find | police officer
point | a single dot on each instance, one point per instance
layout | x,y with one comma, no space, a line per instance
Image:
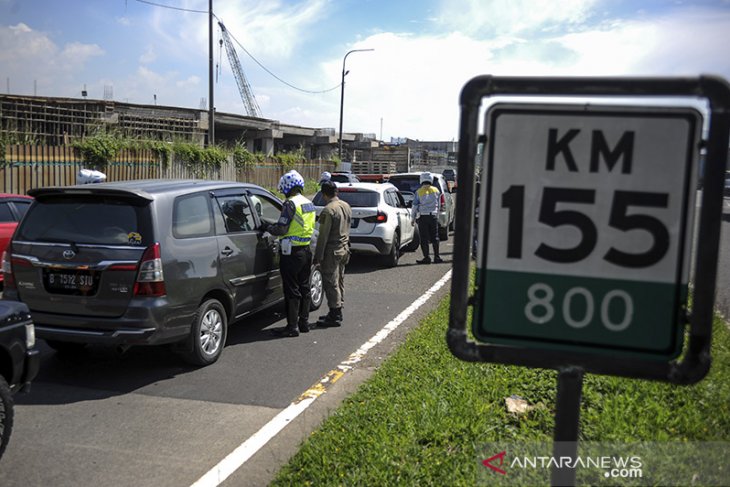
294,229
333,251
426,205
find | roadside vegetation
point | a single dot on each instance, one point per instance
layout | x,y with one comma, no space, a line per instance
424,417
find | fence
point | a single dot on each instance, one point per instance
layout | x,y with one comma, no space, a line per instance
35,166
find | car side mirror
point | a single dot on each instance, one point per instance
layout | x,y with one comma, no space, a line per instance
409,204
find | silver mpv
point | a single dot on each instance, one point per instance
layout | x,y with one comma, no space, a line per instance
147,262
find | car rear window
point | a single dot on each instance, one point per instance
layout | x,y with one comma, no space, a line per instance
85,220
406,184
355,198
342,178
412,183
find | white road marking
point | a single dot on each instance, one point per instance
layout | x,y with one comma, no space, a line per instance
248,448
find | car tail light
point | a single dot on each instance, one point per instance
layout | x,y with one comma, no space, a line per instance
380,217
8,278
150,279
7,268
442,202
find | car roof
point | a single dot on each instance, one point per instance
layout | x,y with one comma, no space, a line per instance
141,188
413,174
378,187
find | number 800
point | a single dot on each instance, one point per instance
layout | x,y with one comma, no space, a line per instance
539,308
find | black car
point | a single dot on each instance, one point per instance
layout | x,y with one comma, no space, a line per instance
19,361
147,263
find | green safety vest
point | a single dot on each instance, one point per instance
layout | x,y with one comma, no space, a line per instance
301,227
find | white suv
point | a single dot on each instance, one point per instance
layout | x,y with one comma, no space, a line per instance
381,222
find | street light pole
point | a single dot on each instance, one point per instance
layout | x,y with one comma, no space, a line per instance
211,105
342,96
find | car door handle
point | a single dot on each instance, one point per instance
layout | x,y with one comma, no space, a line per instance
227,251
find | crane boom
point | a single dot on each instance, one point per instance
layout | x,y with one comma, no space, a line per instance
249,101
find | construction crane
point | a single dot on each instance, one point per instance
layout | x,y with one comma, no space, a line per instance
249,101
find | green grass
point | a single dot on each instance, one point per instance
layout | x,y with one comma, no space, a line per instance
424,416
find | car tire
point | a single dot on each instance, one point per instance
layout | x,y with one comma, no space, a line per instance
415,243
6,414
391,259
207,335
317,288
443,234
66,348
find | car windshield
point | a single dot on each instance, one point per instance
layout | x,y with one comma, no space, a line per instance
341,178
355,198
85,220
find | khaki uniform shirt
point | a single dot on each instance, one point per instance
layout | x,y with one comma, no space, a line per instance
334,228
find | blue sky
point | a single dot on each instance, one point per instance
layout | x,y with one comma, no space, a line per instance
425,51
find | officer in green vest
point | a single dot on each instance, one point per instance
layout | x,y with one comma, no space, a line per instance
294,229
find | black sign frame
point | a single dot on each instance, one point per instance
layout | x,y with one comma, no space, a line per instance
694,363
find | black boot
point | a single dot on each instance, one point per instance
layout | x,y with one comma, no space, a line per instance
292,316
332,318
303,322
436,257
426,258
338,317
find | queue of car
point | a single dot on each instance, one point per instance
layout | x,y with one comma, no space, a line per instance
159,262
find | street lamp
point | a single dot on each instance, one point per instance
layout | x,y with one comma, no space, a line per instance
342,95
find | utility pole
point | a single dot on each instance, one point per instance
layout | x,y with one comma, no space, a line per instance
211,105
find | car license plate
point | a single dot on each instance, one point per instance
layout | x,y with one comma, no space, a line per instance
71,282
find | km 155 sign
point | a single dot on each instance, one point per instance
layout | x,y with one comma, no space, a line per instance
586,230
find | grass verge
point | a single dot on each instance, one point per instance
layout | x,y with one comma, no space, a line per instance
424,415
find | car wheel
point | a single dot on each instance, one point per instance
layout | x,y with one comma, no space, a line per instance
66,348
391,260
208,334
317,287
6,414
415,243
443,234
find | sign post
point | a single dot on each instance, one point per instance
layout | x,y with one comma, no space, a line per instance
584,246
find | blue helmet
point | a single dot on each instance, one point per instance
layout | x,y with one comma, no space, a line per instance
289,181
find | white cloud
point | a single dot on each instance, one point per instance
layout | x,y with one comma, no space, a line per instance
271,29
191,81
28,56
505,17
413,82
124,21
148,56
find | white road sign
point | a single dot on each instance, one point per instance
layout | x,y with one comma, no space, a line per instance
585,240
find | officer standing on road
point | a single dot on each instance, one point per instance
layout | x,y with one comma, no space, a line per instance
426,206
333,251
294,229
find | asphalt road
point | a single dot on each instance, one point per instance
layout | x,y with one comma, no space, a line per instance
144,418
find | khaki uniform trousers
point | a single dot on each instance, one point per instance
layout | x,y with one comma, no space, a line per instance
333,276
